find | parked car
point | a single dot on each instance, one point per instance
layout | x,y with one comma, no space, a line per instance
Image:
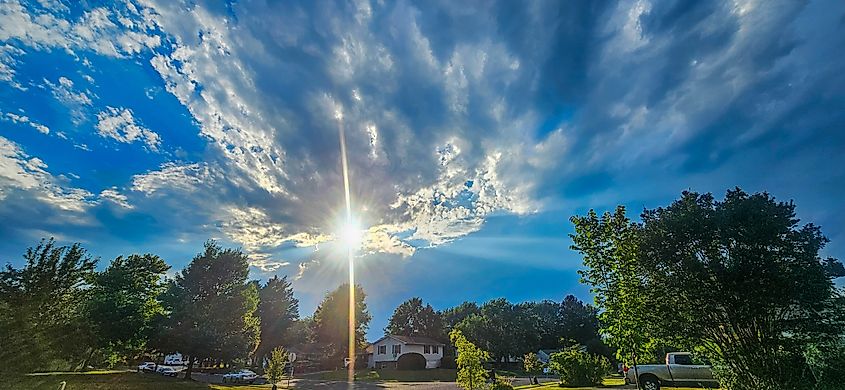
168,371
147,367
681,369
242,375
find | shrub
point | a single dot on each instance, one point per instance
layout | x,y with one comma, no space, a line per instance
577,367
501,384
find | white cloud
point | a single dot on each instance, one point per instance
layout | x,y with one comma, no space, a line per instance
112,195
173,176
21,172
119,124
10,116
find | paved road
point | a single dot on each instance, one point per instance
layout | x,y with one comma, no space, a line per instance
337,385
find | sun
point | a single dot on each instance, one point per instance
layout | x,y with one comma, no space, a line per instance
351,235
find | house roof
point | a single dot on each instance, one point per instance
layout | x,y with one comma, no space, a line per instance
413,340
549,351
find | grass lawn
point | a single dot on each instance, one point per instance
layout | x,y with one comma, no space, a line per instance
432,375
607,383
111,380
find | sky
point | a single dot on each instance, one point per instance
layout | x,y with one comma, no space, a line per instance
475,130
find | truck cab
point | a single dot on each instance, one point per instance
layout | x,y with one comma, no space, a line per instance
680,369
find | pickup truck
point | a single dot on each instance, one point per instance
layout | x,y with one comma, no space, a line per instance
679,370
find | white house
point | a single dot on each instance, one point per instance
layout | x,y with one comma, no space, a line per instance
405,352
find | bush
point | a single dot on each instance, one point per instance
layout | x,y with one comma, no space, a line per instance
501,384
577,367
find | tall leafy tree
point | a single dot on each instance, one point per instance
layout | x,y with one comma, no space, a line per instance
43,320
278,310
331,322
212,308
453,316
496,329
411,318
124,300
610,246
470,361
746,280
739,279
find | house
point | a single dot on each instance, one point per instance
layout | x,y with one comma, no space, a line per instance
545,354
405,352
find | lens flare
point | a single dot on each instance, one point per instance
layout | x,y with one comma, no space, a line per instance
349,232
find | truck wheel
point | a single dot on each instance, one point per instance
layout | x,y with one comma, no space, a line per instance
650,382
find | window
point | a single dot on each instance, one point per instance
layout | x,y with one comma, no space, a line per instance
683,360
435,349
397,349
382,350
427,349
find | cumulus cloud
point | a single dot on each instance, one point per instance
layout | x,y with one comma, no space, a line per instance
119,124
10,116
113,196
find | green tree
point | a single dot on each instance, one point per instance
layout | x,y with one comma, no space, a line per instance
471,372
276,365
43,317
531,363
610,246
331,323
738,279
411,318
747,283
278,310
124,300
212,308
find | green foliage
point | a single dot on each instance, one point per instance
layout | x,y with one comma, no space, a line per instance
123,304
212,307
331,323
507,329
43,317
739,279
531,363
501,384
411,318
278,310
610,248
471,372
276,365
577,367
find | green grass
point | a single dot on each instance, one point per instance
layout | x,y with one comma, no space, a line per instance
607,383
432,375
111,380
97,381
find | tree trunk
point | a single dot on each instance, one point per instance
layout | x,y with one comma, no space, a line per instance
190,368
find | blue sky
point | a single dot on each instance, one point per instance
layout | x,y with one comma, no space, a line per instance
475,130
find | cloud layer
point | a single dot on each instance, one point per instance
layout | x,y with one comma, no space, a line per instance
453,112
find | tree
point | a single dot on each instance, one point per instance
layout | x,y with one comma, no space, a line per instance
276,365
331,322
531,363
747,282
471,372
411,318
738,279
610,249
278,310
124,302
43,321
212,308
